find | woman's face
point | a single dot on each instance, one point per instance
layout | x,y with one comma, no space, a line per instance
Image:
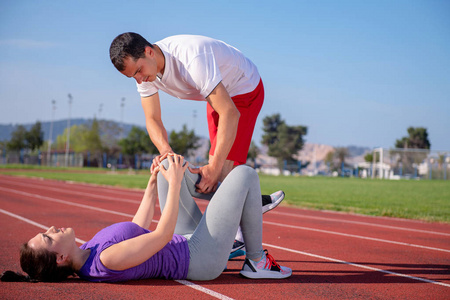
59,240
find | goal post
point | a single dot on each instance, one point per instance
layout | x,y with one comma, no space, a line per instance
408,163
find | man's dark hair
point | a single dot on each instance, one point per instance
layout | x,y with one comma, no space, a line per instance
128,44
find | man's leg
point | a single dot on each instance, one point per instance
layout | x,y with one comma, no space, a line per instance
249,106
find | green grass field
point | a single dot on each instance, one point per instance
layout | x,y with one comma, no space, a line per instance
427,200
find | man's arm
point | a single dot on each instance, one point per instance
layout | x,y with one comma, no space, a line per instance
229,115
155,127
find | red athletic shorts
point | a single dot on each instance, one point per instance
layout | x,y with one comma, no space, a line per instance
249,105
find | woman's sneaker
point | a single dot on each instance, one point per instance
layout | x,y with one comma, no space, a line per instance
269,202
267,267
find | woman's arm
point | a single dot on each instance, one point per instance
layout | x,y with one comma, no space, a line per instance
133,252
144,214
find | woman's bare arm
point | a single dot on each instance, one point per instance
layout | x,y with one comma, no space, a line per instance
133,252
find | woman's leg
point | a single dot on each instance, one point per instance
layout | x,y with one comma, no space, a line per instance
237,201
189,215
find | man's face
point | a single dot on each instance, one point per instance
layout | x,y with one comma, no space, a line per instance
143,69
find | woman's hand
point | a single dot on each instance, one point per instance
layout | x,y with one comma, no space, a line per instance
155,168
177,166
157,161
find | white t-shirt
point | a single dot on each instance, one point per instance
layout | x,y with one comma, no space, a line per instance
195,65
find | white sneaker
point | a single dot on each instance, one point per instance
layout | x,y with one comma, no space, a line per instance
267,268
272,201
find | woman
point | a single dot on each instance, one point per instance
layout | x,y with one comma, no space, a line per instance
128,251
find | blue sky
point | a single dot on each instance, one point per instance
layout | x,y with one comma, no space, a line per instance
353,72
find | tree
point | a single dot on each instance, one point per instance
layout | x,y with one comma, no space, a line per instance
183,141
417,139
137,142
34,137
82,138
91,137
18,139
341,154
109,133
329,158
253,152
23,139
284,141
335,158
369,157
76,138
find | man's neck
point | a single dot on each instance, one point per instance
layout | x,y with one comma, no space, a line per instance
160,59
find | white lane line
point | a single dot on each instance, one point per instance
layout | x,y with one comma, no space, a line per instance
359,223
32,222
220,296
272,212
203,289
358,265
265,222
71,192
301,252
184,282
68,203
356,236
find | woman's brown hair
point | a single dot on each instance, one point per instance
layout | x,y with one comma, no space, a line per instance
40,265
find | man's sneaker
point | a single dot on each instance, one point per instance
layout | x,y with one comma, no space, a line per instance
237,253
267,267
237,245
269,202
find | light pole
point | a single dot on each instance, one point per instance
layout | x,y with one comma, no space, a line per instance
100,108
194,117
68,133
49,149
122,104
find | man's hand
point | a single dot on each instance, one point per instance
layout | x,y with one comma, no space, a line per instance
209,181
157,161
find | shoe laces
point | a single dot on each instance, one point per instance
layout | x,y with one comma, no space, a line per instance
270,261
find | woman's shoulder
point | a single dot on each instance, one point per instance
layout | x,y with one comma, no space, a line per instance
115,233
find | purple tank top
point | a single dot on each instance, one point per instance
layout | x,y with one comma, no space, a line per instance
171,262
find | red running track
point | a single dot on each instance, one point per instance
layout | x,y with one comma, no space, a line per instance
333,255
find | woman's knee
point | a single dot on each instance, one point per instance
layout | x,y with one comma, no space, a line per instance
245,173
165,163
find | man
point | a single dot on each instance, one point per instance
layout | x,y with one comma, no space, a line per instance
202,69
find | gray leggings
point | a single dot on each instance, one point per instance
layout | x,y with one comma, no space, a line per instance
210,236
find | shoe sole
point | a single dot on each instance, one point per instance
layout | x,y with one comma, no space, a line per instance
264,275
236,254
271,206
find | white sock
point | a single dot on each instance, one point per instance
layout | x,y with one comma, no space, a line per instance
239,236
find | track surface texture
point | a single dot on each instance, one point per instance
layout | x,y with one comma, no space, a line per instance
333,255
